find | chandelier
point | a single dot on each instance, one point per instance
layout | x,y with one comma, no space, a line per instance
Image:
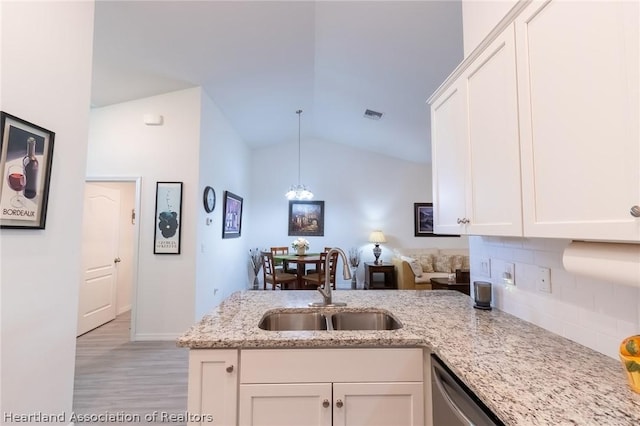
299,191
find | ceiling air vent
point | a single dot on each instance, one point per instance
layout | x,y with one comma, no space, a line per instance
374,115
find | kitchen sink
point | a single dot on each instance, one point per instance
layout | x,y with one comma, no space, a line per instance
330,321
287,321
364,321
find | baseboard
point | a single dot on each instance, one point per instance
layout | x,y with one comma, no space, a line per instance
146,337
123,310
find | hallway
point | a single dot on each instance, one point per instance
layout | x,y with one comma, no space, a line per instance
122,382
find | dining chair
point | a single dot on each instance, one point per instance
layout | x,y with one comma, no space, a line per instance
315,270
317,278
281,264
272,276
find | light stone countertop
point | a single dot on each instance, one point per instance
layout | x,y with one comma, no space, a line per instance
524,374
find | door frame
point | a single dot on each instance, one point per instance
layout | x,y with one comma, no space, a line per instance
136,240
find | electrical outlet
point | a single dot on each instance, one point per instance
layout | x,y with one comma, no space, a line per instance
509,274
485,267
544,280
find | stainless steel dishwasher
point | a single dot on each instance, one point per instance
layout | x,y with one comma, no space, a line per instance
453,403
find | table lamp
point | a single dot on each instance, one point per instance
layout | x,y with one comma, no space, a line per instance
377,237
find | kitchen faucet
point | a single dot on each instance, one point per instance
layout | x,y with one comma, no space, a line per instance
326,291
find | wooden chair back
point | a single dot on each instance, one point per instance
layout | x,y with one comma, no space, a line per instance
273,276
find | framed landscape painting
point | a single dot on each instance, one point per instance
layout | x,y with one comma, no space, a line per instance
423,221
306,218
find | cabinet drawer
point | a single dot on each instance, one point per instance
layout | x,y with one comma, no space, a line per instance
330,365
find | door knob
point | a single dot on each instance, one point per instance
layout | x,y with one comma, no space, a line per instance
117,260
230,369
635,211
339,403
325,403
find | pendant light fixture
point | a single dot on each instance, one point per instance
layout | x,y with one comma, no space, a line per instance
299,191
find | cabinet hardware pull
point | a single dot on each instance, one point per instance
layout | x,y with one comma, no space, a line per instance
459,221
230,369
339,403
635,211
325,403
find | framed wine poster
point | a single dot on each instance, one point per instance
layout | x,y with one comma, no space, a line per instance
26,152
168,218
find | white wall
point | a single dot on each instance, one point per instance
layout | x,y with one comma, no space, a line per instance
45,59
596,314
224,165
120,144
478,19
362,191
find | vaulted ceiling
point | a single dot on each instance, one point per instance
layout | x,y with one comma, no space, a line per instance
260,61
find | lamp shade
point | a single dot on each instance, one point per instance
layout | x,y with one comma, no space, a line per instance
377,237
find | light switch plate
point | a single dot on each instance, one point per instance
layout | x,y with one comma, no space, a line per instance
485,267
544,280
509,274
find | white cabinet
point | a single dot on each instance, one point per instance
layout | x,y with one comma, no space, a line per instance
339,387
212,389
286,404
475,146
449,150
578,89
536,134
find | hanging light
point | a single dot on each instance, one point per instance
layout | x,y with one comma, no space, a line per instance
299,191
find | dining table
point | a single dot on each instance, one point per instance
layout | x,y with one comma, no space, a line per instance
301,261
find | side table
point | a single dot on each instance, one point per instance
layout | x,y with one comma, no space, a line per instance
444,284
380,276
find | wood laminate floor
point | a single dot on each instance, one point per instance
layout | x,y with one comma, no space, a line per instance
127,382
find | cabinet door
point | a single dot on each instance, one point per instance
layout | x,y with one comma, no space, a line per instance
578,97
212,389
494,144
285,404
380,404
449,157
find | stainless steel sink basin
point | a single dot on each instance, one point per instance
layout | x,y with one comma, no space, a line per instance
364,321
286,321
328,320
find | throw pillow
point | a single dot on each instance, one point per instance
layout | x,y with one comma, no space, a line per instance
426,262
415,266
442,263
457,262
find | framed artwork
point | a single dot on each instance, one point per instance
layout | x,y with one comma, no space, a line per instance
168,218
26,152
306,218
232,215
423,221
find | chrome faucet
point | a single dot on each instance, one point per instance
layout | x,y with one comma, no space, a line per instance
326,291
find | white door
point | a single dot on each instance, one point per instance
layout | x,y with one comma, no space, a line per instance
97,299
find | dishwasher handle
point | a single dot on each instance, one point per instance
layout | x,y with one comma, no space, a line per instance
446,385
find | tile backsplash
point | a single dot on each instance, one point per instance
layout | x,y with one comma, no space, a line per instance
594,313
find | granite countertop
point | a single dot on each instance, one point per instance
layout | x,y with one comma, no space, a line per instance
524,374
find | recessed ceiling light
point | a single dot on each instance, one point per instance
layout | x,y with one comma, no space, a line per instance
374,115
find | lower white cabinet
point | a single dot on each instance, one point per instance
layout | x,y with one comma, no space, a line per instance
337,404
336,387
213,387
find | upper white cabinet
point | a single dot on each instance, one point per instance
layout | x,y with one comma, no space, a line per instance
475,147
449,155
578,88
536,134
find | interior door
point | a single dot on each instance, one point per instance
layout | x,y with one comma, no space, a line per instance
100,229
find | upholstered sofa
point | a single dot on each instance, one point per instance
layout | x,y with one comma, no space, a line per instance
416,267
